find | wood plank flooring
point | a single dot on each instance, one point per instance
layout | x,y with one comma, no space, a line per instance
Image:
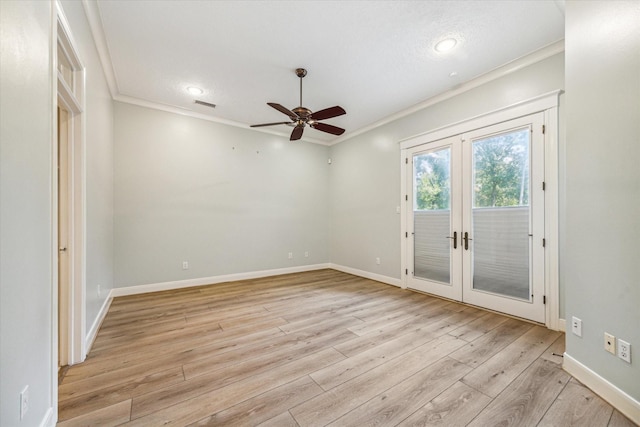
322,348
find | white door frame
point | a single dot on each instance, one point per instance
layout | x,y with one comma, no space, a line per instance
453,289
546,103
70,96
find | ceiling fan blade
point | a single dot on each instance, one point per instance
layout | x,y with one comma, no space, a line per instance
297,133
327,128
328,113
269,124
283,110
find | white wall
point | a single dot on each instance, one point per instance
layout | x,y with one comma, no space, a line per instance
365,174
26,245
225,199
603,185
99,165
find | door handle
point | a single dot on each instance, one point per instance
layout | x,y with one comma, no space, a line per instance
466,241
455,239
62,249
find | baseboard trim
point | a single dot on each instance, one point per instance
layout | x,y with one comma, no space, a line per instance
367,275
562,325
49,420
620,400
95,327
179,284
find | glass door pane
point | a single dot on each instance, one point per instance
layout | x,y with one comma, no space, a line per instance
432,215
501,214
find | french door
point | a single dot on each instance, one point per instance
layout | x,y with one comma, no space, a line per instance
476,223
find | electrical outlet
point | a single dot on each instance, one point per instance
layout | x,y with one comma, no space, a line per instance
99,291
610,343
290,255
624,350
378,261
24,402
185,265
576,326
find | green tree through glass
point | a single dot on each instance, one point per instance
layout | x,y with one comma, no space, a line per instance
432,181
501,170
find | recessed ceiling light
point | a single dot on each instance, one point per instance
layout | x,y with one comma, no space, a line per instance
445,45
195,90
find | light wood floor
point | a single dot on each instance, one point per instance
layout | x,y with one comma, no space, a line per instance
321,348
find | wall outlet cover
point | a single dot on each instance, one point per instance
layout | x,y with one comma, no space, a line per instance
576,326
624,350
609,343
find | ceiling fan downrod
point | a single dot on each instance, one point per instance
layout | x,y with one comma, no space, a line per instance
301,72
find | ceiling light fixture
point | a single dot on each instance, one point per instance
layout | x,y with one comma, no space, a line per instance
195,90
445,45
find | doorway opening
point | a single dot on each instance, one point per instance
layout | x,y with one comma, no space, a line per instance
71,347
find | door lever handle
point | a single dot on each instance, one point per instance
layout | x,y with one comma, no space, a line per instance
455,239
466,240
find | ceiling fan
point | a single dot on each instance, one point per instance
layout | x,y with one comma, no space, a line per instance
301,116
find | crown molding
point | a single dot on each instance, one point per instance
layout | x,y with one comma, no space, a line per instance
95,24
506,69
186,112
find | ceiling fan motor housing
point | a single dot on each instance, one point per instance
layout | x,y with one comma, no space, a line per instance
302,112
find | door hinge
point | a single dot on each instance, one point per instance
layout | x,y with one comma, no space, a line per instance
544,299
406,160
406,197
544,243
406,234
544,185
543,129
406,271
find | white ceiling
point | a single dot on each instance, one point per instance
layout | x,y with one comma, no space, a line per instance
373,58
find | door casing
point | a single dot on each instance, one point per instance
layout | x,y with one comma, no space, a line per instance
547,105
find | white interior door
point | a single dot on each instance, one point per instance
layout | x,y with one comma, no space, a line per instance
63,237
477,218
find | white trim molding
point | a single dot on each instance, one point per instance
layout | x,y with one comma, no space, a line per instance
93,331
547,104
73,98
95,25
51,416
526,107
367,275
620,400
562,325
201,281
186,112
49,420
212,280
515,65
92,11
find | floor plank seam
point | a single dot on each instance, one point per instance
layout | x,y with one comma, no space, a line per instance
329,347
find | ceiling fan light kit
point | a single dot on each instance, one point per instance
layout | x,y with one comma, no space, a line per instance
300,116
